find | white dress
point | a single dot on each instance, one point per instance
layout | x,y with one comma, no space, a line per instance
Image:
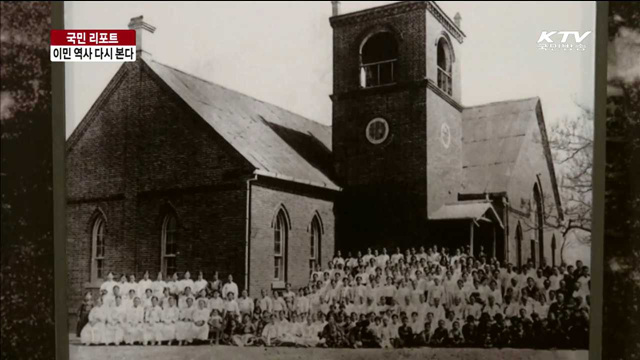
108,286
201,332
152,326
199,285
94,331
158,287
184,325
143,285
115,325
134,325
217,304
169,319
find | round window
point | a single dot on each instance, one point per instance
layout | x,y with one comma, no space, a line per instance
445,135
377,131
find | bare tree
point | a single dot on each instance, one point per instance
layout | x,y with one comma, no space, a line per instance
571,143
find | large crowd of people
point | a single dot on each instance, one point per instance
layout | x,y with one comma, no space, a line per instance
405,299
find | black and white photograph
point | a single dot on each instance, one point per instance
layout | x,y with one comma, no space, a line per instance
332,180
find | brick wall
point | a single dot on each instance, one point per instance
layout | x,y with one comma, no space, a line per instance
444,164
435,31
140,152
384,185
301,205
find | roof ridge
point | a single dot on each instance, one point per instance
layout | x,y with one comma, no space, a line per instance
503,102
240,93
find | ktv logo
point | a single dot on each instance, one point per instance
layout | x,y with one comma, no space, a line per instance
546,36
559,40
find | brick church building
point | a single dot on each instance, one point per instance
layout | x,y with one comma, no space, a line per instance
168,172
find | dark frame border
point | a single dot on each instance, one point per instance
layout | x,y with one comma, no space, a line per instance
599,158
59,193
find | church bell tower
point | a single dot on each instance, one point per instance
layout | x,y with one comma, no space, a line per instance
396,121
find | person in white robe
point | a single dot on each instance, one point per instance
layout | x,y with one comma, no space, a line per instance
200,326
278,303
147,298
230,286
186,295
145,284
200,284
133,285
231,307
158,286
265,303
134,323
270,333
436,292
109,298
93,333
217,303
128,300
124,285
108,284
186,282
163,298
245,304
184,331
303,304
495,291
473,309
174,285
151,333
492,307
169,318
116,321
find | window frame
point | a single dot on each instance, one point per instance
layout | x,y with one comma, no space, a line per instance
445,76
165,256
538,221
98,237
519,240
280,237
315,241
387,130
377,65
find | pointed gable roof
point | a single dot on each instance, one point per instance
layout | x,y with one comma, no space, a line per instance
492,138
277,142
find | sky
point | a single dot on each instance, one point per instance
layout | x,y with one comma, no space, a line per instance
281,52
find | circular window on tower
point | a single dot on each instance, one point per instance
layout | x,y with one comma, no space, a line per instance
377,131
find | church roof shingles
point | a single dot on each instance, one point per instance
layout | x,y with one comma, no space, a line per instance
277,142
493,135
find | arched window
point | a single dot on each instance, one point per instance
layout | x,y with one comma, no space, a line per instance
280,235
98,248
315,240
169,242
444,61
538,221
378,57
519,243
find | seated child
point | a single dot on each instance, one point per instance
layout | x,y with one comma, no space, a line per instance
440,335
215,326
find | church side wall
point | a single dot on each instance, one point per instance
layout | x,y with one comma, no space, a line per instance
143,154
300,206
531,163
